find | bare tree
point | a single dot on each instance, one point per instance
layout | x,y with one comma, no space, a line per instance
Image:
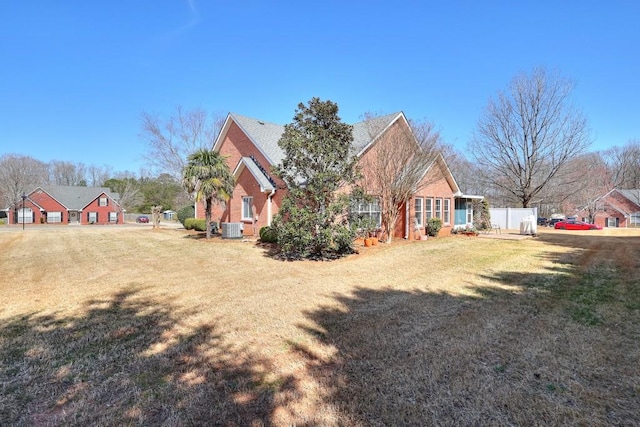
128,189
526,135
624,165
97,175
169,141
66,173
394,168
463,170
19,174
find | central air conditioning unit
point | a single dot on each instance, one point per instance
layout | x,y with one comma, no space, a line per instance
232,230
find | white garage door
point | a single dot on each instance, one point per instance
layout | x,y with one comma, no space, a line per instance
54,216
25,216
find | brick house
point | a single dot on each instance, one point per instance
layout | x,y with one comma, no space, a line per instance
53,204
617,208
251,148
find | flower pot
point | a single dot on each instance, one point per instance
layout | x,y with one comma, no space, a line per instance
368,242
374,241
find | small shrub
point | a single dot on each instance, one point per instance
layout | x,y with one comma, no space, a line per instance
200,224
268,234
186,212
433,226
189,223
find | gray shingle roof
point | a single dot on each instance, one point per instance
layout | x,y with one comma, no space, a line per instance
76,198
266,135
632,194
364,132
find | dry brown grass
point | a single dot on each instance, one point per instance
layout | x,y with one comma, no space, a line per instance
123,326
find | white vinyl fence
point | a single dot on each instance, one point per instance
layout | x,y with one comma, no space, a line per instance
510,218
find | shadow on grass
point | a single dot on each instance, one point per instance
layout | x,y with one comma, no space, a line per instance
127,361
502,357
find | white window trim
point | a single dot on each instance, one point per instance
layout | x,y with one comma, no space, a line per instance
242,214
428,208
370,210
113,215
419,214
446,211
100,201
438,209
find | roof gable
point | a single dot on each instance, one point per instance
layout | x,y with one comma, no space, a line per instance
367,132
263,135
440,163
260,175
633,195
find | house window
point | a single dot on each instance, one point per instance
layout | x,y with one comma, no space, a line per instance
369,211
247,208
446,218
635,219
428,208
612,222
419,221
439,208
103,201
469,212
113,216
92,217
54,217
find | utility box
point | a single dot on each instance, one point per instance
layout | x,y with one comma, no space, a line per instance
529,225
232,230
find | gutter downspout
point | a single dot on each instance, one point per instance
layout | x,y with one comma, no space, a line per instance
406,222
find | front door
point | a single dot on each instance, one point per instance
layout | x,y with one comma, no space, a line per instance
74,217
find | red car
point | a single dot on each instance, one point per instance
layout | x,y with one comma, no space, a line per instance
576,225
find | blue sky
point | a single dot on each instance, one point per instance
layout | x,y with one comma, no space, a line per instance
75,75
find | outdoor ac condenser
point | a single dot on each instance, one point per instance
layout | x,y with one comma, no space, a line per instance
232,230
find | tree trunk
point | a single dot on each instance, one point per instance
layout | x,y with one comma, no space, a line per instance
207,217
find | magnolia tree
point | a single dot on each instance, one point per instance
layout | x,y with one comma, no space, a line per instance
317,168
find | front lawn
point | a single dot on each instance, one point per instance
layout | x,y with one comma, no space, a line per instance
124,325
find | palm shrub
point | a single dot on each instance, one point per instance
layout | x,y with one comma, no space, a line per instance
207,176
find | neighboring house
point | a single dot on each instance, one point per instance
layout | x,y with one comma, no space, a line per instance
617,208
251,148
53,204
